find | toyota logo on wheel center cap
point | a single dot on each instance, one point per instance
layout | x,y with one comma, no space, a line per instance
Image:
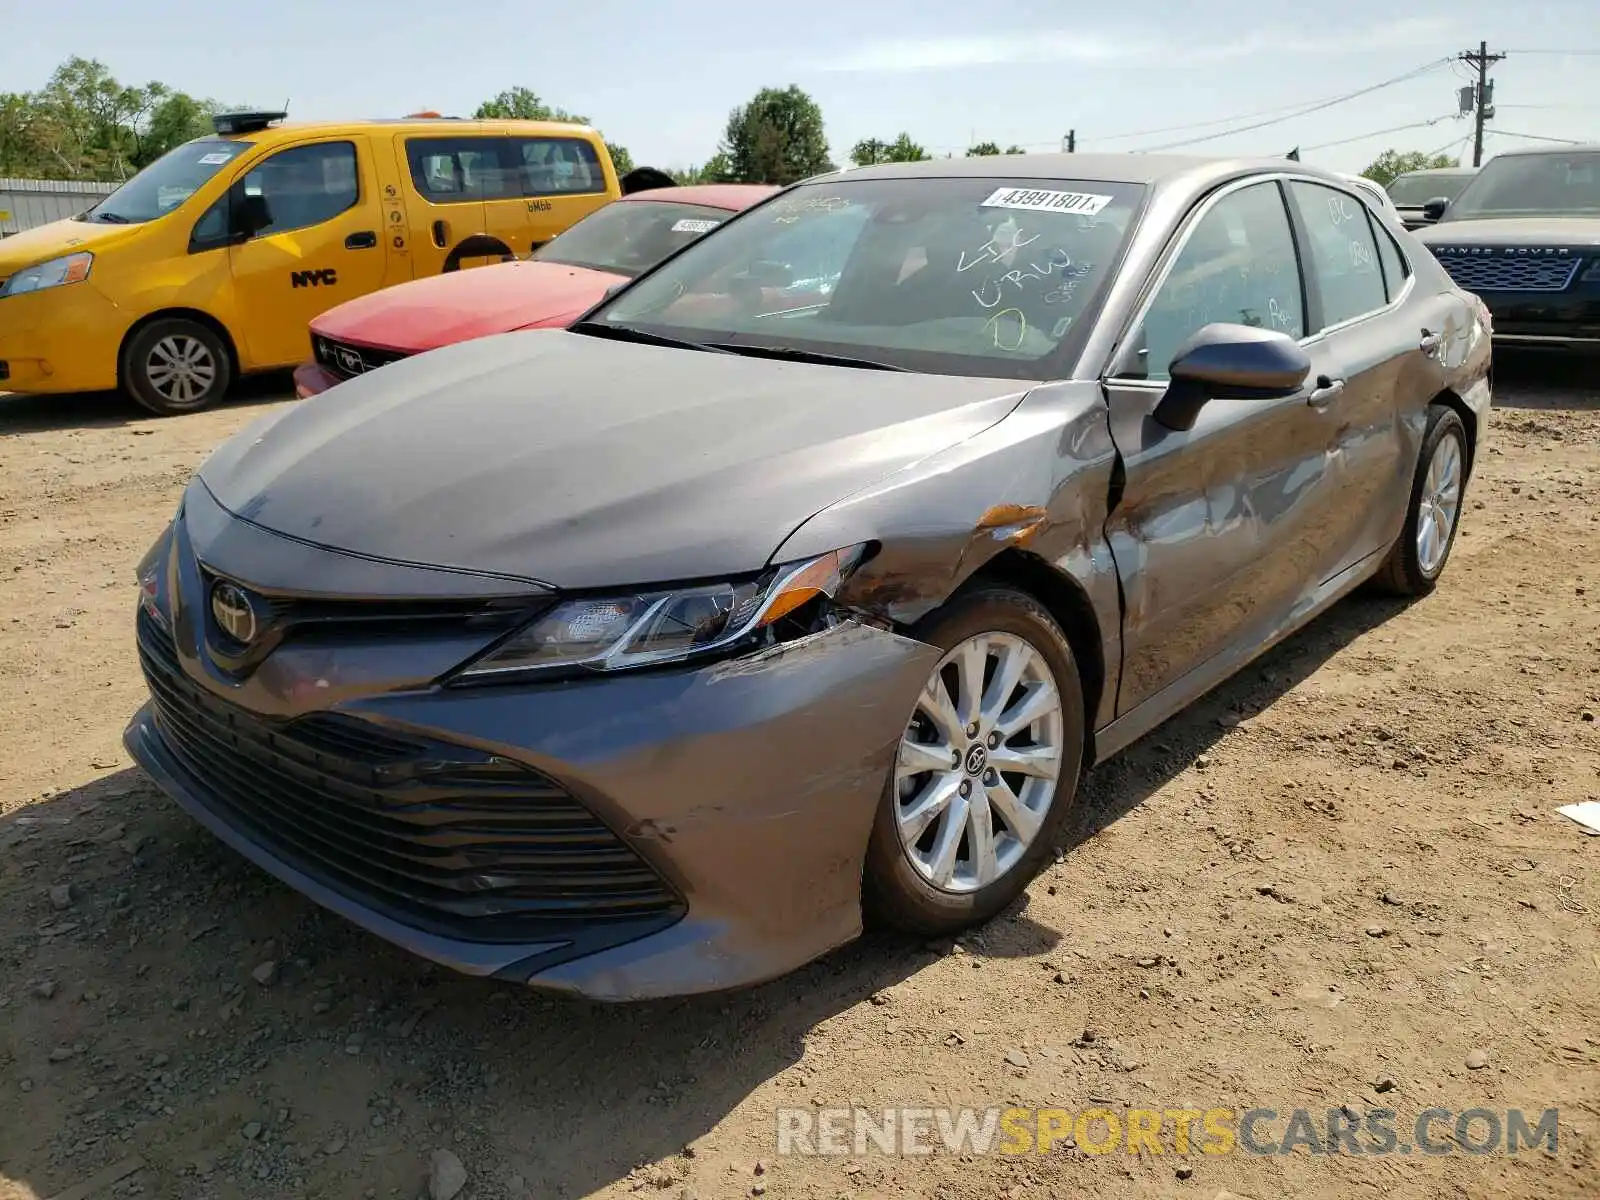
233,612
977,759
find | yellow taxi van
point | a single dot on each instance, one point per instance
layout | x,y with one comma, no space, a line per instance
210,263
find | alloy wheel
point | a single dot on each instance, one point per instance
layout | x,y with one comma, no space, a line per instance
1438,504
978,763
181,369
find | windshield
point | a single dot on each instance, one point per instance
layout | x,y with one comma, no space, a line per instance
986,277
1413,191
166,183
630,236
1522,185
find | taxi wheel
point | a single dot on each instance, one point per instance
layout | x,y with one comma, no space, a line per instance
176,366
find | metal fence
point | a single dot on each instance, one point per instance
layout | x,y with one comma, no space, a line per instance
25,203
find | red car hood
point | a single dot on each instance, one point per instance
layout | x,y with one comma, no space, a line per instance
443,309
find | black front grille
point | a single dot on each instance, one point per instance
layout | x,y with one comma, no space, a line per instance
438,836
1485,274
347,360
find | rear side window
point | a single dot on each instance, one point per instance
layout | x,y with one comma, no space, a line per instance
555,166
1349,279
456,170
1395,268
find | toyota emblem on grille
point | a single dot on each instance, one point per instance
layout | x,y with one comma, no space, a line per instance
233,612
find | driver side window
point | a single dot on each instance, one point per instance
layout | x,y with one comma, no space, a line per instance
1237,267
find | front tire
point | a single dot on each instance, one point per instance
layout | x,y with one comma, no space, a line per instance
176,366
986,771
1438,489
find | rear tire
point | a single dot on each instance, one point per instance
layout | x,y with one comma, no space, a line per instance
176,365
1438,489
939,874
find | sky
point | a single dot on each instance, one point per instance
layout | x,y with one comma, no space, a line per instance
659,76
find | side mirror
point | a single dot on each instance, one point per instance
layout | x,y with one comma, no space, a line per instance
1236,362
250,216
1434,209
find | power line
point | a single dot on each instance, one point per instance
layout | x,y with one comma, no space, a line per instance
1304,110
1293,109
1539,137
1361,137
1565,53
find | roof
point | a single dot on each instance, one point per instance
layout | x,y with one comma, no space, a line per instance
436,125
735,197
1089,168
1520,151
1438,171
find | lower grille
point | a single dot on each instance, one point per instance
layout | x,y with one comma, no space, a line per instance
1487,274
347,360
440,837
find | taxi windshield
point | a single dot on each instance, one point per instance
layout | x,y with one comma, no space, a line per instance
166,183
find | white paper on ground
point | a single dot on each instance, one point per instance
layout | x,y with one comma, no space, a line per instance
1586,814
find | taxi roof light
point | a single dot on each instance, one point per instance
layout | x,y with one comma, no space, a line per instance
245,122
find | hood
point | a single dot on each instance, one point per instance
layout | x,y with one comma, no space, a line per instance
1569,233
581,462
443,309
59,238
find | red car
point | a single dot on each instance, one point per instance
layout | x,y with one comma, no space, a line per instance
549,289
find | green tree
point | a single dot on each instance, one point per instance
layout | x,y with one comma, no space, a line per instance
1391,163
1015,149
776,138
716,169
868,151
85,124
983,150
524,104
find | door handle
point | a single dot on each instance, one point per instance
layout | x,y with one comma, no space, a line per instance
441,234
1327,391
365,240
1430,342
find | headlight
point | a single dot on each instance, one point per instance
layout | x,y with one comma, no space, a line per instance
648,628
1592,272
74,268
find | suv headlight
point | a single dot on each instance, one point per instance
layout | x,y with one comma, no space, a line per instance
649,628
74,268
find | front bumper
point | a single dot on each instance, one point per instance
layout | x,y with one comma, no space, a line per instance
63,339
1559,320
722,813
312,379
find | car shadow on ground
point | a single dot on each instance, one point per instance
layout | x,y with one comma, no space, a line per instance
378,1057
1543,380
105,410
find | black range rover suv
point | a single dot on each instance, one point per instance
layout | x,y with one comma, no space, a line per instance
1525,236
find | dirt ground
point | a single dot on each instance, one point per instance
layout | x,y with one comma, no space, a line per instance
1340,872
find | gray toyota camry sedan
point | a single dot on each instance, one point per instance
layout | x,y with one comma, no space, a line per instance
801,581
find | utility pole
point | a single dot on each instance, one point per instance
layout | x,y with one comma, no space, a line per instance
1483,94
1069,144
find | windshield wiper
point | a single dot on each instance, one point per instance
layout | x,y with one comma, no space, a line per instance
626,333
792,354
111,218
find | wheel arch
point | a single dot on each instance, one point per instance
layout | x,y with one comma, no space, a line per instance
177,314
1068,602
1469,421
